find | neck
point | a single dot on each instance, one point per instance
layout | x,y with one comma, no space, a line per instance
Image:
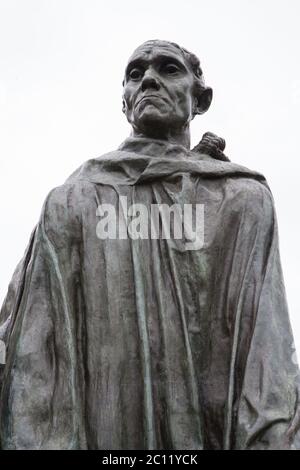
180,137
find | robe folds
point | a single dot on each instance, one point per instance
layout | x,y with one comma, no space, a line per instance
141,343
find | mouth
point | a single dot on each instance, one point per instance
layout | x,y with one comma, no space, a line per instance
150,97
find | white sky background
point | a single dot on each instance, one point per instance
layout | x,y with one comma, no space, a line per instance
61,68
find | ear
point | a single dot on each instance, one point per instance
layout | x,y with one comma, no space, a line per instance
203,100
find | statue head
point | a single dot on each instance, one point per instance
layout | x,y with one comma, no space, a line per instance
164,89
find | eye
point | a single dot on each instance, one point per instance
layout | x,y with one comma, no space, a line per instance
135,74
170,68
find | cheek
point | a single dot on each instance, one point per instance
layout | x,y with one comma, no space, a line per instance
128,95
183,96
184,103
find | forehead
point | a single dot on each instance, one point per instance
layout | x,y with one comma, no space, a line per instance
150,53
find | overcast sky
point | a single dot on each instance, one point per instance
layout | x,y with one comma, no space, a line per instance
62,63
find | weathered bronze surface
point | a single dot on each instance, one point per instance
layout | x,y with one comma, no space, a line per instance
144,343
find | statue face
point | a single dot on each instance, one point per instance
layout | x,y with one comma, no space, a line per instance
158,89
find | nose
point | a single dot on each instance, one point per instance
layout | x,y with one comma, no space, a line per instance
150,81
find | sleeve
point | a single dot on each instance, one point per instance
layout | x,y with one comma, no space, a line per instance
266,410
12,300
39,392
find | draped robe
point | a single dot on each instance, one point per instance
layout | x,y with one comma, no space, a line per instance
143,344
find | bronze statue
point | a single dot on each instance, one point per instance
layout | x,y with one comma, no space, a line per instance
136,342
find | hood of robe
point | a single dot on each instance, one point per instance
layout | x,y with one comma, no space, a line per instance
140,160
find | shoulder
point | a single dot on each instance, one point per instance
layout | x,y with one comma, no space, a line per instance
251,197
249,189
69,198
61,217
